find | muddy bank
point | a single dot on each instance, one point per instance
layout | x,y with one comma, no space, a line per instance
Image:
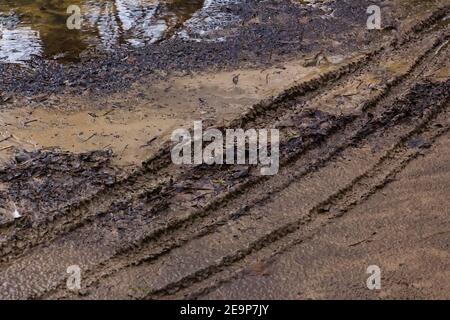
138,117
135,125
260,33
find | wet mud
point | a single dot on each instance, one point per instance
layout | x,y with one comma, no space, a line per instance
260,33
363,117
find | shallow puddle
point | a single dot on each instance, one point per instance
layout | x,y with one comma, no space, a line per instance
48,28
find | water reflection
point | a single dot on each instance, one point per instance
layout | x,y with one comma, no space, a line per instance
19,44
208,23
38,27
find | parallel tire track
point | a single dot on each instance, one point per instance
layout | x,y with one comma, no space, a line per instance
151,177
168,239
155,180
376,179
356,192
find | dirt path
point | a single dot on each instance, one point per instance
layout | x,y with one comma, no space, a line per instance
173,232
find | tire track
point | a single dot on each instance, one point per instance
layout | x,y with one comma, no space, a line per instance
170,231
150,178
153,176
200,289
165,243
290,235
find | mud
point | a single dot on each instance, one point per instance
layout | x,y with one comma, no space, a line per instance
361,123
134,125
384,231
61,177
263,32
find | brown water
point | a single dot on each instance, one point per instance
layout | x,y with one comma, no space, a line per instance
39,27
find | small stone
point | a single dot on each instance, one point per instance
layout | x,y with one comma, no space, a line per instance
22,157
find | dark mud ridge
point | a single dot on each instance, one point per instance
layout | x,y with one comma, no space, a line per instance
264,32
42,181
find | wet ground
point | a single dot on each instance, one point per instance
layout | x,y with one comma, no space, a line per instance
363,116
243,32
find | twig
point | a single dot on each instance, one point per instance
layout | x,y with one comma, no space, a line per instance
148,143
6,148
440,47
92,135
6,139
123,151
29,121
108,112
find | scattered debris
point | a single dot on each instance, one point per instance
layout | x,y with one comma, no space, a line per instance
16,214
236,79
149,142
